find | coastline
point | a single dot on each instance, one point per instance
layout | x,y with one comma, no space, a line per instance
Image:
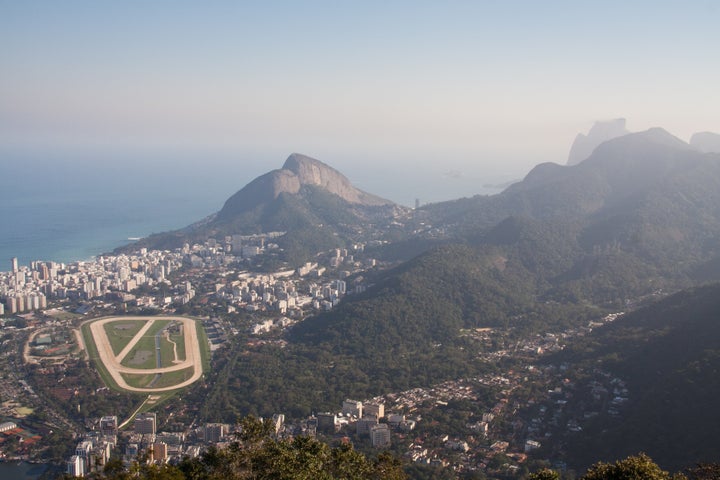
85,216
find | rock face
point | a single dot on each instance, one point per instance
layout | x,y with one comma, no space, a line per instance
298,171
706,142
308,171
601,132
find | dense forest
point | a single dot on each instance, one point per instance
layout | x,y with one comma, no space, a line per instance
669,355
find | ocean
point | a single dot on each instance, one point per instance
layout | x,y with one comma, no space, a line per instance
63,208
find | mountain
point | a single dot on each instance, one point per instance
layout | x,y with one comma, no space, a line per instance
299,172
669,356
313,204
641,214
706,142
616,170
403,332
600,132
643,209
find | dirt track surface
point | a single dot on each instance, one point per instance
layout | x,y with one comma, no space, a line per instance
112,362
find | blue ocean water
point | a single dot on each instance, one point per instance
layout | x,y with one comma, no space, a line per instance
67,208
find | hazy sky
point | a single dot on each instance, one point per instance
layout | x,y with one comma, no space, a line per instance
459,84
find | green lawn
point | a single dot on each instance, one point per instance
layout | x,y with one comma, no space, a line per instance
145,344
180,340
166,352
138,381
173,378
205,352
166,380
120,332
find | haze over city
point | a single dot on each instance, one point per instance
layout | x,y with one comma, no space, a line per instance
385,239
168,108
470,86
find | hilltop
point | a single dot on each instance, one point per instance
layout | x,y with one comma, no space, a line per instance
314,205
299,172
600,132
642,208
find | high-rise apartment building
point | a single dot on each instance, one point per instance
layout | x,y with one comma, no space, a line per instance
109,425
145,423
377,409
353,407
75,466
214,432
380,435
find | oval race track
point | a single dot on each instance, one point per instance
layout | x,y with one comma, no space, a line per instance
113,363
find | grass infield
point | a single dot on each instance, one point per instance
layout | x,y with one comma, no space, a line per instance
126,333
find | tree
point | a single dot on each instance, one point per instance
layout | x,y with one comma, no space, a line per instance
544,474
388,467
705,471
257,455
254,430
640,467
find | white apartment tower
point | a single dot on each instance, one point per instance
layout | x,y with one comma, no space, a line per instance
76,466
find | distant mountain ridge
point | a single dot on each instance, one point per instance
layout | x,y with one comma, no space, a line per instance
600,132
641,213
706,142
618,169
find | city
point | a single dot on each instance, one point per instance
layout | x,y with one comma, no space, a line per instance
502,417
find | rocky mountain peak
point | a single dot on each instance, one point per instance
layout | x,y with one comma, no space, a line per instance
707,142
297,172
600,132
309,171
304,170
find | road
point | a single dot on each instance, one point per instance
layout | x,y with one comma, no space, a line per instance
115,368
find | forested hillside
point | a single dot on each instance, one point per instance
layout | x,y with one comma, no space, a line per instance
669,355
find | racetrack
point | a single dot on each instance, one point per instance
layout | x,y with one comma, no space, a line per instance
115,368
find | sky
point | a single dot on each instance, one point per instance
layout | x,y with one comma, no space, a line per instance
485,88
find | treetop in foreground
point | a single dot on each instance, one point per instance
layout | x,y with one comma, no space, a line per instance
638,467
257,455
